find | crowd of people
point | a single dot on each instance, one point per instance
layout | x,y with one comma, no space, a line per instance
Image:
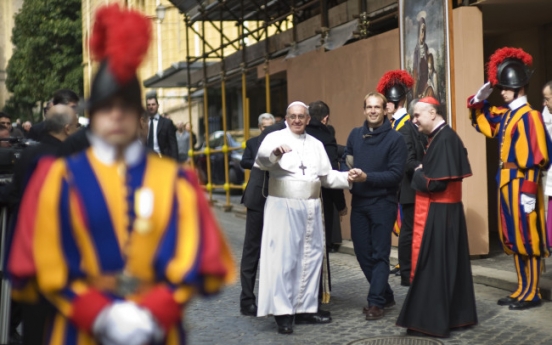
404,169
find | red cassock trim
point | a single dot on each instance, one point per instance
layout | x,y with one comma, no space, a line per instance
451,195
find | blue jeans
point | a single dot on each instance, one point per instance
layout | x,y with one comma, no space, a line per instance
371,228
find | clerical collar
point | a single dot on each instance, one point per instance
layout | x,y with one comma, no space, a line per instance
399,113
518,102
436,130
105,152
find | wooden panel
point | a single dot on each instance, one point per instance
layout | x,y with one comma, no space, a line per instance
469,68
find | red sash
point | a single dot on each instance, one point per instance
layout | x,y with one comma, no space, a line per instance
451,195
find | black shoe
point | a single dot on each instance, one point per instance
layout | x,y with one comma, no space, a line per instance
405,282
249,310
389,304
313,318
395,270
522,305
506,300
284,323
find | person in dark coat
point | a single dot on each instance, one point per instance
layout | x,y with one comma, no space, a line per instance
441,295
254,198
62,96
162,131
416,143
320,114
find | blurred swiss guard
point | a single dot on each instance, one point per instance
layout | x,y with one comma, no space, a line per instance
524,149
119,239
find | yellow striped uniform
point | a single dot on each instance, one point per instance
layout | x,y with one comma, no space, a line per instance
524,152
79,224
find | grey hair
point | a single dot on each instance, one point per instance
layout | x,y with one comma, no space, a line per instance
58,120
411,106
266,116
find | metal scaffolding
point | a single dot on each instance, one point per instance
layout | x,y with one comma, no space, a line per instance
250,48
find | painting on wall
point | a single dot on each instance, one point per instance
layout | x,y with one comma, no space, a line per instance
425,49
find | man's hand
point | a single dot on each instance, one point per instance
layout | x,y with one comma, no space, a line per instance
528,201
356,175
280,150
343,212
483,93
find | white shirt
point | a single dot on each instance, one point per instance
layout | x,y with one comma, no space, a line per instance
155,142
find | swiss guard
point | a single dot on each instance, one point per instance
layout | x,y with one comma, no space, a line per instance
395,86
524,148
118,240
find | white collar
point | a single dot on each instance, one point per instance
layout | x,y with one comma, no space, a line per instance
156,116
105,152
437,125
518,102
297,136
399,113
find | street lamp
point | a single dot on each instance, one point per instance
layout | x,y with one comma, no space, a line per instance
160,12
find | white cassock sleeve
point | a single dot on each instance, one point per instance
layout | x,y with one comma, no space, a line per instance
336,180
265,158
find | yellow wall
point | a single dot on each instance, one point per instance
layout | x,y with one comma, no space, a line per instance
8,8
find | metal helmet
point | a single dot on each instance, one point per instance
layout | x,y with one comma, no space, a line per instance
396,92
512,73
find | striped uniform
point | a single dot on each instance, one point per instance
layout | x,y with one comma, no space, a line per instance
77,232
524,153
396,125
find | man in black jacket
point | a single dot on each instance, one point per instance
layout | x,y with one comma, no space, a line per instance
416,143
254,199
320,114
162,132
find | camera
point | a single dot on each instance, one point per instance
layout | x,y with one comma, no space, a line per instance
10,151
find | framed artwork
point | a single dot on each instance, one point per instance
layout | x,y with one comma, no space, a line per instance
426,49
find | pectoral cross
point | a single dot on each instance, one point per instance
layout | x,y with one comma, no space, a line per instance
302,167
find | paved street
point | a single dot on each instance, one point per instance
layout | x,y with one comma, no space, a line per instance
217,320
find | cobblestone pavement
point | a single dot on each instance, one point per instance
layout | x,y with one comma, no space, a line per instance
217,320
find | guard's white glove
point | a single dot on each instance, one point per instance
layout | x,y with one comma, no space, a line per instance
528,201
125,323
483,93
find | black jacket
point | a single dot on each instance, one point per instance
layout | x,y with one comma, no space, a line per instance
415,143
254,196
318,130
166,138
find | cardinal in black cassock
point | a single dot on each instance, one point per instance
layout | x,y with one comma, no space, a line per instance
441,296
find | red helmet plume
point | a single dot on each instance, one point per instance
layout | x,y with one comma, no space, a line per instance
394,77
121,37
500,55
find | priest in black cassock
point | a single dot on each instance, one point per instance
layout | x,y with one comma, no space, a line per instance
441,295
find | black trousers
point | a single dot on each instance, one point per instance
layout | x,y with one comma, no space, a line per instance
405,241
250,255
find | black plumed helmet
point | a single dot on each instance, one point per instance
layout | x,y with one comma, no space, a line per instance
512,73
396,92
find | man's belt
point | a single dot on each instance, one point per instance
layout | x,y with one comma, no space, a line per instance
293,189
507,165
121,284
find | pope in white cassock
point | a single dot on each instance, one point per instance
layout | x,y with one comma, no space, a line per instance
293,245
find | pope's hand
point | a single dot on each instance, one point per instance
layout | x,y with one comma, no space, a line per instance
125,323
483,93
528,201
280,150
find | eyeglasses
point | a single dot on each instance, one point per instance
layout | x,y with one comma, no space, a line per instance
296,117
